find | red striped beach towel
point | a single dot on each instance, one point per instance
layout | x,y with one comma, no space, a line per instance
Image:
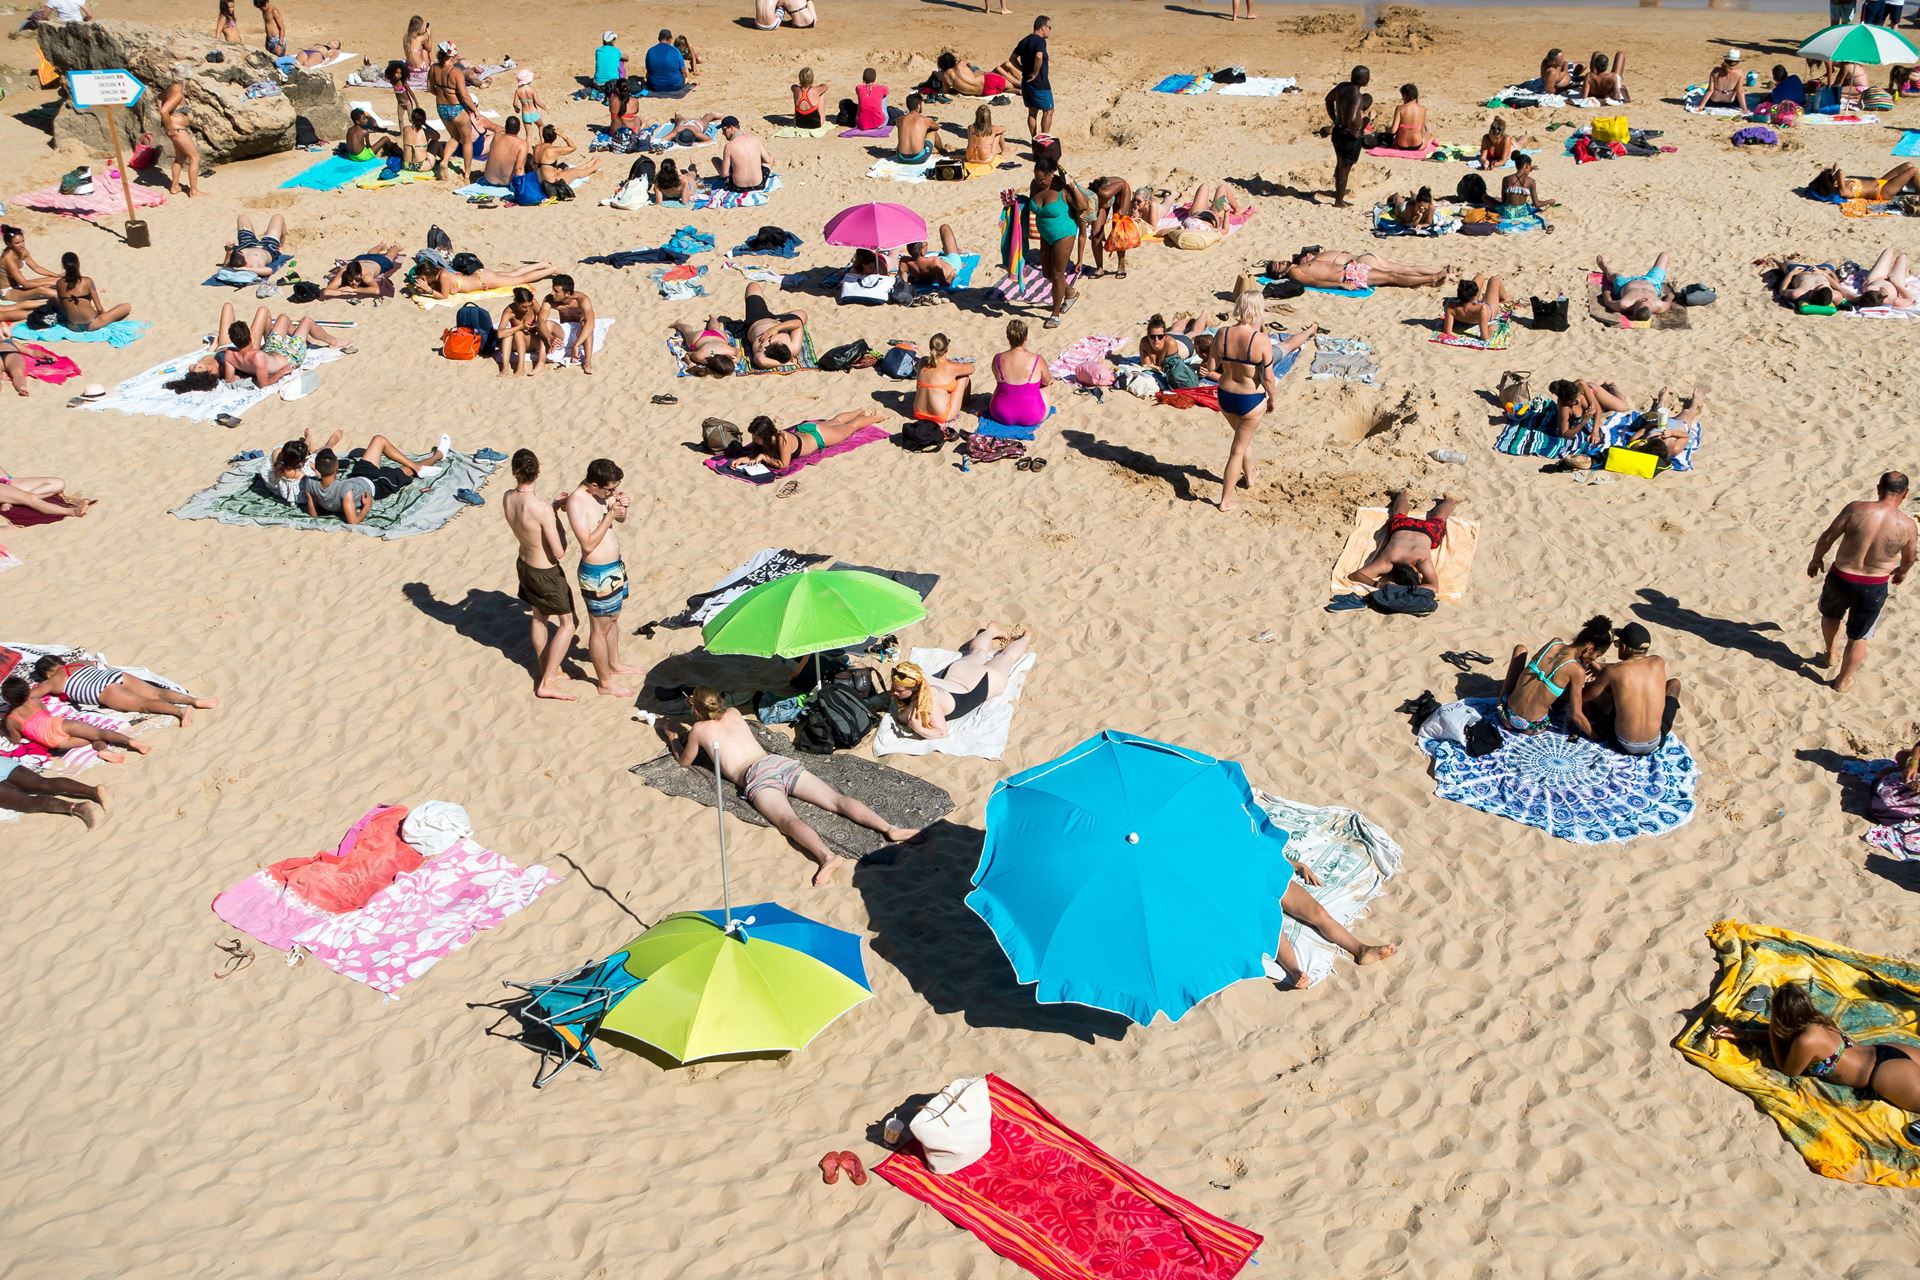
1064,1209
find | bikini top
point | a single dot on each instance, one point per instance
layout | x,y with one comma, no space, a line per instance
1033,374
1823,1068
1544,677
1246,360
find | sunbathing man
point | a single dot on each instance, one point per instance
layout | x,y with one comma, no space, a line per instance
710,353
1656,431
1285,967
933,270
1476,303
967,80
24,791
772,340
351,493
1406,553
743,163
1876,549
38,493
1635,297
927,705
1631,703
564,306
916,135
1832,182
255,253
28,719
1556,77
274,346
1333,269
94,684
542,541
292,465
364,275
769,782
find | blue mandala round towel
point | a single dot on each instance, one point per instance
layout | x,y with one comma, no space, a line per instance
1569,787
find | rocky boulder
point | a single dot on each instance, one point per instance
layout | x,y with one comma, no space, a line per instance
227,124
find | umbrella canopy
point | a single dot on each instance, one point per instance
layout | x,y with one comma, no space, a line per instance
811,611
1862,43
772,984
876,226
1131,875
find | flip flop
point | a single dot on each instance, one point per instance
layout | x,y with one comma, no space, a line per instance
469,497
787,490
666,398
850,1164
830,1168
239,956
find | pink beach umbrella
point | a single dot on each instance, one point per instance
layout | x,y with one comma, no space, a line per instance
876,226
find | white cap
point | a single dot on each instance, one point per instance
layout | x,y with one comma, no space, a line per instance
1733,55
608,37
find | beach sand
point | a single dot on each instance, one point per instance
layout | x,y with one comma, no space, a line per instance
1499,1100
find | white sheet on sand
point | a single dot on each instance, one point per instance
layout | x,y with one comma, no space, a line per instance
901,170
570,330
1352,856
1257,87
1889,313
983,734
72,762
144,393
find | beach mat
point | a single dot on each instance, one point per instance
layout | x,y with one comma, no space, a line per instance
715,195
427,302
1535,437
1047,1199
331,174
1500,336
241,496
26,517
145,394
1453,558
884,131
859,439
1403,153
121,333
981,734
1909,145
1674,317
898,170
762,567
1571,788
1354,859
41,364
1840,1132
900,798
107,197
1344,360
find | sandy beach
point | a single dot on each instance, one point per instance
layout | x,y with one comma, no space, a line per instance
1500,1099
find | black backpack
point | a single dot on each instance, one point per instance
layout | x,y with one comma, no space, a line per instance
1550,314
835,720
921,436
845,356
438,239
468,263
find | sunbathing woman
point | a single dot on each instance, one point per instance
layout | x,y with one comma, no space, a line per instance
26,280
1805,1042
1476,303
1726,84
1212,206
441,282
1558,670
927,705
1580,404
940,392
1020,382
1885,284
174,119
94,684
1334,269
1296,902
772,340
38,493
807,97
13,363
710,353
781,449
986,142
1163,340
1607,80
1415,210
1832,182
28,719
82,309
364,275
1663,433
225,25
1820,285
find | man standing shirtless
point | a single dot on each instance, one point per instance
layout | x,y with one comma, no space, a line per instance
543,584
1347,106
565,305
276,25
593,509
766,780
1876,550
1407,555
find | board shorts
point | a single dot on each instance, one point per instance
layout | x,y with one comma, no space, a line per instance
1346,146
1436,530
545,591
992,84
1858,600
770,771
1037,99
604,588
244,238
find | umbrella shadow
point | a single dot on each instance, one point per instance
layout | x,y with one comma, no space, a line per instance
923,927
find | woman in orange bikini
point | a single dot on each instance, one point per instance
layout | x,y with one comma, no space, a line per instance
941,391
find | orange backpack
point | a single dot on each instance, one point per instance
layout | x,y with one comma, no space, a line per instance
460,344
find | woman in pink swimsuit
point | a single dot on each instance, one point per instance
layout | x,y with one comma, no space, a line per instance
1016,403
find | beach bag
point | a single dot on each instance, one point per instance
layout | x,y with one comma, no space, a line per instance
848,116
1230,75
874,289
1046,147
1143,384
44,316
1516,390
1632,462
1785,115
1179,372
1611,129
145,153
1697,295
526,188
955,1127
900,362
717,435
439,239
921,436
633,194
1397,598
845,356
1189,239
77,182
1550,314
1094,373
1123,234
836,720
947,169
993,448
459,343
467,263
304,291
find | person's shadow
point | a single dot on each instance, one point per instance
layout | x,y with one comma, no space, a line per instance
1179,478
1662,610
491,619
922,926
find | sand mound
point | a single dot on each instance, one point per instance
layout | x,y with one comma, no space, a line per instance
1398,29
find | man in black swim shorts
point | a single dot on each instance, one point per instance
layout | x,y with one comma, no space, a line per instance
1876,549
1347,107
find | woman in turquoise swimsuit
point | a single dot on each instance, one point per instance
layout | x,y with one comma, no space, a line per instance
1560,668
780,450
1061,211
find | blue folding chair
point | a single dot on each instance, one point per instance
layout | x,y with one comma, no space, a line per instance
571,1007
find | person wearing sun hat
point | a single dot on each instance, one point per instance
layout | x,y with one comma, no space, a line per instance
610,76
526,99
1724,83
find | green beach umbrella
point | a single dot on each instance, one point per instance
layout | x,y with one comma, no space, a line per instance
1863,43
810,611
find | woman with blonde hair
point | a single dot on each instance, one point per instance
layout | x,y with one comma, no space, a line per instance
416,49
807,97
174,121
986,142
941,390
927,705
1242,360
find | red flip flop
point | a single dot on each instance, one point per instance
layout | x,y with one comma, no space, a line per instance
830,1168
855,1173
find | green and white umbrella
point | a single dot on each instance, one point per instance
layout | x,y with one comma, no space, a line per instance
1863,43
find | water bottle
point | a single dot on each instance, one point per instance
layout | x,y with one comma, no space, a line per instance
1753,79
966,463
1447,455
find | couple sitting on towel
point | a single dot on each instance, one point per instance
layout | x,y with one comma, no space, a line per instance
1629,704
301,477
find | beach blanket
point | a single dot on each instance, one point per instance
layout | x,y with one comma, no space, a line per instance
714,194
331,174
883,131
570,333
788,248
1570,788
384,178
1452,559
146,395
982,734
1532,435
1091,349
864,436
1344,360
795,131
412,912
1909,145
1422,152
106,197
1514,224
985,426
1911,285
1063,1209
120,333
762,567
902,170
1500,336
1032,286
9,561
43,365
427,302
1840,1132
1695,98
676,248
1446,221
1184,84
1169,225
679,283
23,517
737,331
1258,87
1674,317
1354,859
906,800
241,496
475,190
1895,808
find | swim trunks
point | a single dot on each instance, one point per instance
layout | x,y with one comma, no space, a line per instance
994,83
1858,598
757,309
604,588
1657,277
277,46
926,149
1037,99
780,772
244,238
1346,146
545,591
1436,530
1354,275
286,345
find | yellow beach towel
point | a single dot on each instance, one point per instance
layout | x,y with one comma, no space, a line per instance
1453,557
1874,1000
427,302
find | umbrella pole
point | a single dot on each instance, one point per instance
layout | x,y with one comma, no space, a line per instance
817,681
720,820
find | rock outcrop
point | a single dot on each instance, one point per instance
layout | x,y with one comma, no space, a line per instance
227,124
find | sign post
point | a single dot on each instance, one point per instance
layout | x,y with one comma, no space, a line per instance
106,90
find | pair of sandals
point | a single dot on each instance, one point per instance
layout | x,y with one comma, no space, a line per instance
834,1163
1030,464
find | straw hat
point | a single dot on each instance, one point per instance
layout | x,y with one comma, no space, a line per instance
94,391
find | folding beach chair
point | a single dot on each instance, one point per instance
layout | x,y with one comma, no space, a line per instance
571,1007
